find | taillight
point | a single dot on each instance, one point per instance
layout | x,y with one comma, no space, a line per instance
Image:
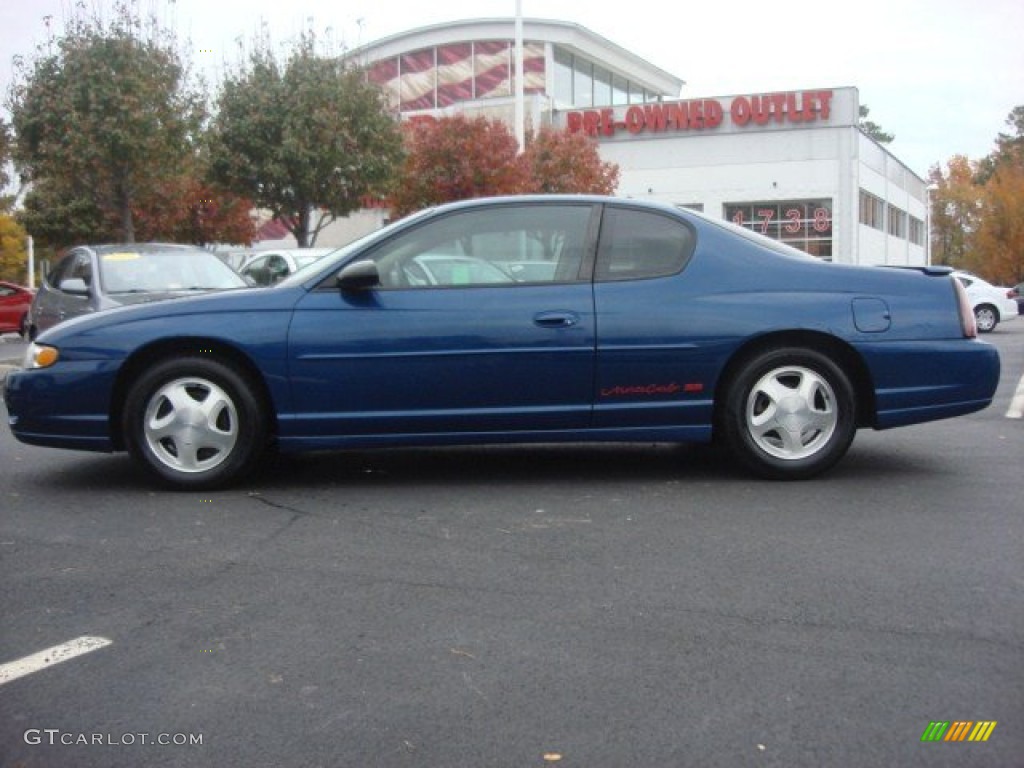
967,322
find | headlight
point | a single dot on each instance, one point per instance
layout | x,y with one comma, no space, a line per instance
39,356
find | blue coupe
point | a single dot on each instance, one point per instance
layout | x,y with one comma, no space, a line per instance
520,319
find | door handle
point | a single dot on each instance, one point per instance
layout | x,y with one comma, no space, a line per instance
556,319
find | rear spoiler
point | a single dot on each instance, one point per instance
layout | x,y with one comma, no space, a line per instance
930,269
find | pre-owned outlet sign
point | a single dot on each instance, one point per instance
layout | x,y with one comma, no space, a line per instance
788,108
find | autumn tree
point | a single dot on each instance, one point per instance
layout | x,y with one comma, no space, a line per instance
13,253
456,158
1009,147
999,240
978,209
955,202
559,161
460,157
308,139
189,209
103,117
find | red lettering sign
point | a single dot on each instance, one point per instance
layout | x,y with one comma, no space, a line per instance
705,114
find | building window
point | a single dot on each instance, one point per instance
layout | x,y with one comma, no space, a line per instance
453,83
493,69
579,83
563,77
897,222
872,211
583,83
418,80
916,231
803,224
602,87
620,90
438,77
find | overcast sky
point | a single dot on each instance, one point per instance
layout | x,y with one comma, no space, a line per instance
942,75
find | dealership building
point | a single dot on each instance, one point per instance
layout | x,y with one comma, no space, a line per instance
792,165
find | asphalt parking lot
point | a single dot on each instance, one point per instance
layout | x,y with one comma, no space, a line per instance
572,606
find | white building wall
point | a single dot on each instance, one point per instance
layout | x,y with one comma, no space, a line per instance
885,177
826,157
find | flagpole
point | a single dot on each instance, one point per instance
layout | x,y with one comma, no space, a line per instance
520,117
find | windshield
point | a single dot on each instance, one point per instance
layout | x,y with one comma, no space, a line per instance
142,271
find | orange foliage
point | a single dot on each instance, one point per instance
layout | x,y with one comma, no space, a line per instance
999,241
459,157
559,161
456,158
187,210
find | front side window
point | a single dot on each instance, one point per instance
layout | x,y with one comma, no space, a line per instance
490,246
638,245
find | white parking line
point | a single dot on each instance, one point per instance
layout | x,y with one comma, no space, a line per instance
55,655
1017,403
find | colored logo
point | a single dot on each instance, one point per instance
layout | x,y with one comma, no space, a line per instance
958,730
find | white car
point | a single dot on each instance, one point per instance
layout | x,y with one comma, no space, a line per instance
992,304
269,267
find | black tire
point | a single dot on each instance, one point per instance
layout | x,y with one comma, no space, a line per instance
789,414
987,318
195,423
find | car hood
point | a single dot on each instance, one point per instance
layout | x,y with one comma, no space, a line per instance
146,306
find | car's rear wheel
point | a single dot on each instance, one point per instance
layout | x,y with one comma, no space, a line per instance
194,422
789,413
986,317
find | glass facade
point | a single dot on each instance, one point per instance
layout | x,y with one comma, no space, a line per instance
581,83
438,77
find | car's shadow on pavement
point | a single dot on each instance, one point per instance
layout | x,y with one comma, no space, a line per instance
597,464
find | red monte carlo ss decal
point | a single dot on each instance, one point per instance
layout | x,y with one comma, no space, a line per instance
651,389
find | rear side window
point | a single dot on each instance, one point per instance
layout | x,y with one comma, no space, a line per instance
638,245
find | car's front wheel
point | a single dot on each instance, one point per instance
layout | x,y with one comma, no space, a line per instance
789,413
194,422
986,317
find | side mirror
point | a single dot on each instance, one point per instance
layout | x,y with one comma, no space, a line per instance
358,276
258,275
74,285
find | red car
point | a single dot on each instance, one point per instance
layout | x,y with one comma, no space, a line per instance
14,303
